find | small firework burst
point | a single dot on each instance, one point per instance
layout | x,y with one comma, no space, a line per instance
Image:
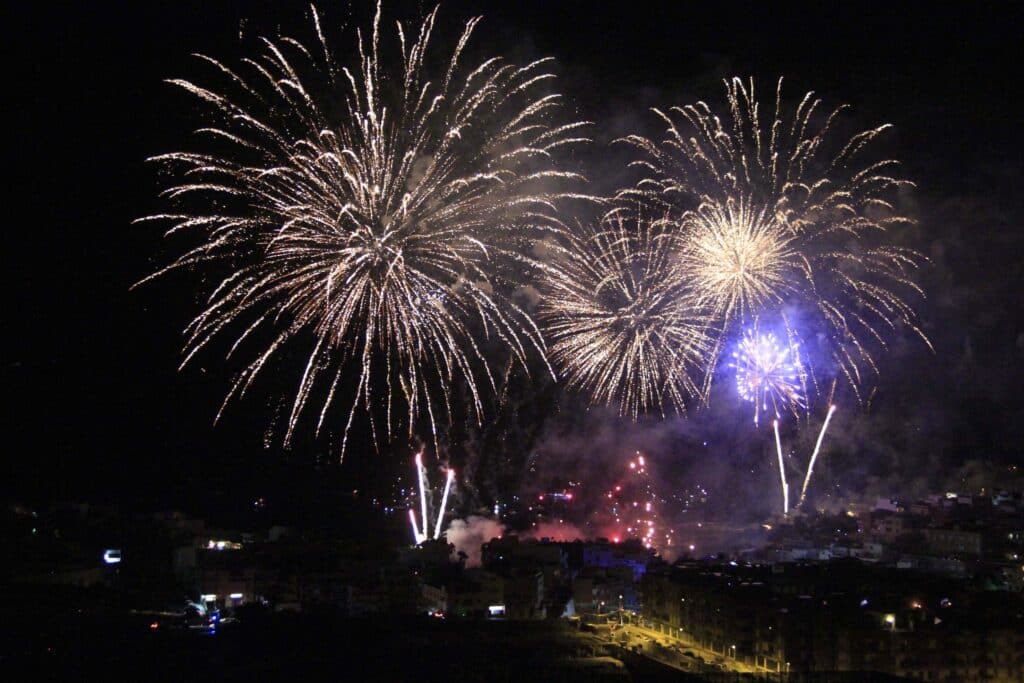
768,374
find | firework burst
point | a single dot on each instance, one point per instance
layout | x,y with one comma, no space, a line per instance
621,321
784,212
354,216
768,374
738,257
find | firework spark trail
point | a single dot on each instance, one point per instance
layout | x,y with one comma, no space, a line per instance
444,503
359,214
768,374
416,535
421,475
788,213
814,456
425,506
782,468
620,318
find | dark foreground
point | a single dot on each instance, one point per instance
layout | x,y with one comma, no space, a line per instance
288,647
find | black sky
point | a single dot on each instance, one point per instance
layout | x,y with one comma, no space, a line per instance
96,407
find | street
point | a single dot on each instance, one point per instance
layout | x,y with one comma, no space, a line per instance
678,653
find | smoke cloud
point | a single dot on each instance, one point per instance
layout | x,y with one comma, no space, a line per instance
468,535
556,531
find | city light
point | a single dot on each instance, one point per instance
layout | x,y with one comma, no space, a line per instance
223,545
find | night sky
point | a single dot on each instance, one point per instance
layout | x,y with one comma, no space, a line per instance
97,409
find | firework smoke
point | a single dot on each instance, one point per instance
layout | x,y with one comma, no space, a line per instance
468,536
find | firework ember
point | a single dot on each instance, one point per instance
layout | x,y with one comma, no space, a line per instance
631,508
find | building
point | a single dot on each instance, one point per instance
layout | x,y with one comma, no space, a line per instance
953,541
841,616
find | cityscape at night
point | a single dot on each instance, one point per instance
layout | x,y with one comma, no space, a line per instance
515,341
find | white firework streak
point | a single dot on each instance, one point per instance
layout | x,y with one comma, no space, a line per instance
814,455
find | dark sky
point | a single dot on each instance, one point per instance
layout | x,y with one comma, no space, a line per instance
96,406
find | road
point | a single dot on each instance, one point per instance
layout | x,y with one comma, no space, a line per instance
641,665
669,651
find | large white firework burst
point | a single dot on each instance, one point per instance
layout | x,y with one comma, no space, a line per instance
355,215
620,317
782,213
